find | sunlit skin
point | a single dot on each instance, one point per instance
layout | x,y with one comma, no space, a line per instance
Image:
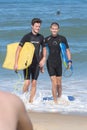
36,28
54,30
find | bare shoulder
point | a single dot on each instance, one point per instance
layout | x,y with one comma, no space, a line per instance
16,110
24,120
11,99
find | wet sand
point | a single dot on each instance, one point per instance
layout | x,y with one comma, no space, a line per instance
56,121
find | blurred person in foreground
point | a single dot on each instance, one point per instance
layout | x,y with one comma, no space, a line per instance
13,115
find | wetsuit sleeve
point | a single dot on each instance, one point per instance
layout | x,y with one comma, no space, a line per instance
43,42
22,42
46,41
66,43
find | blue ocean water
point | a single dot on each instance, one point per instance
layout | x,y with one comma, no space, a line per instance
15,18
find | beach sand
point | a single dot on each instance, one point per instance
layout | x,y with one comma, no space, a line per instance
56,121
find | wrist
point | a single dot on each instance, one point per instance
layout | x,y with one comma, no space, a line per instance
69,61
44,58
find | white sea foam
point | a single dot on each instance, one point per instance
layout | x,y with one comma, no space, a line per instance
71,87
64,104
75,88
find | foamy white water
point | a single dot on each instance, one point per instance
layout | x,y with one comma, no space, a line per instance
74,88
64,104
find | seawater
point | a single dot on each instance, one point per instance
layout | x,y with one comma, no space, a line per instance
15,21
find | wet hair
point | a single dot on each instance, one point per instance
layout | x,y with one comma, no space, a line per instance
54,23
36,20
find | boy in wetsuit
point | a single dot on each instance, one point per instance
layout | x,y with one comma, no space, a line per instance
54,63
33,70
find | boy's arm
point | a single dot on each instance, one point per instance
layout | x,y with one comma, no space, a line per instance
16,57
43,57
69,57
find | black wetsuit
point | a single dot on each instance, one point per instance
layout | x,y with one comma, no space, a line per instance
54,63
36,40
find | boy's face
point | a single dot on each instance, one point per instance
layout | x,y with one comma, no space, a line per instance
36,27
54,30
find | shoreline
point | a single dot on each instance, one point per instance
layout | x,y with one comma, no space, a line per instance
83,114
55,121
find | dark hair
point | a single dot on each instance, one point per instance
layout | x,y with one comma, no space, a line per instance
54,23
36,20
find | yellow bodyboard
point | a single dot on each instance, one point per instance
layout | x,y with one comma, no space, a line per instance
25,57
